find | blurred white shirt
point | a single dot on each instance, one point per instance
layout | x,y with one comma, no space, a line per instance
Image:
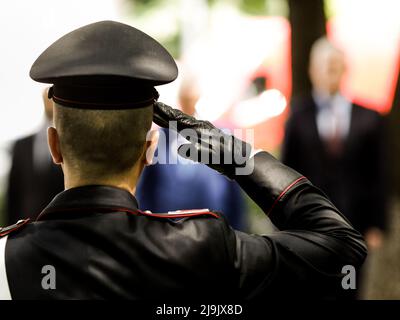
333,115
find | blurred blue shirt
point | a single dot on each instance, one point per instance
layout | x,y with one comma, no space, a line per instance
188,185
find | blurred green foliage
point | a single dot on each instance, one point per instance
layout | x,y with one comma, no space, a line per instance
143,10
329,8
173,44
140,10
256,7
141,6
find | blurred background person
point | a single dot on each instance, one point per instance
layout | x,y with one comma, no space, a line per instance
166,186
33,179
339,145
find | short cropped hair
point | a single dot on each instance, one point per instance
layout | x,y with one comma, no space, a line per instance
102,142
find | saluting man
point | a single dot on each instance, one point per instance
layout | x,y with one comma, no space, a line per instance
96,241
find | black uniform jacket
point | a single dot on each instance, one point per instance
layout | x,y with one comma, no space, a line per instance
102,246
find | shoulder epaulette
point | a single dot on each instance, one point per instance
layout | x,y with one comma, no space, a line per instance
181,213
7,230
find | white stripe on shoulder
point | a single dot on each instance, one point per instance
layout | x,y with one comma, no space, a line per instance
5,293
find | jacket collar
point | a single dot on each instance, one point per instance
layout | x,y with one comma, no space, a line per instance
89,199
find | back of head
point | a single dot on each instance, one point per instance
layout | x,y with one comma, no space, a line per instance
103,77
102,142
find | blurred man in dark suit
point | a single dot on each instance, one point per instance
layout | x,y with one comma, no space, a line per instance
34,179
339,145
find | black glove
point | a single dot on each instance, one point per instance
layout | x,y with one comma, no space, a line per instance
208,144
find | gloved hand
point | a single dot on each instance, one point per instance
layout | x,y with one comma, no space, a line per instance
208,144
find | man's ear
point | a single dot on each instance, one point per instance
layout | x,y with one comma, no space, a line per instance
151,146
54,145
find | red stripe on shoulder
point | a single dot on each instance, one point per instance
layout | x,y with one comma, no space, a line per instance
181,213
7,230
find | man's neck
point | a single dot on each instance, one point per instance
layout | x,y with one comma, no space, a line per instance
127,182
123,186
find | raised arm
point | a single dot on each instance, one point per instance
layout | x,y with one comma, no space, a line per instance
314,244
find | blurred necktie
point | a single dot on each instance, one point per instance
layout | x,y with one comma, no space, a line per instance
334,143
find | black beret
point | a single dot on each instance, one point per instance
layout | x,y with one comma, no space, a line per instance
105,65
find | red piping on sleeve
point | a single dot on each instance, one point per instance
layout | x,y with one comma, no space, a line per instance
284,192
